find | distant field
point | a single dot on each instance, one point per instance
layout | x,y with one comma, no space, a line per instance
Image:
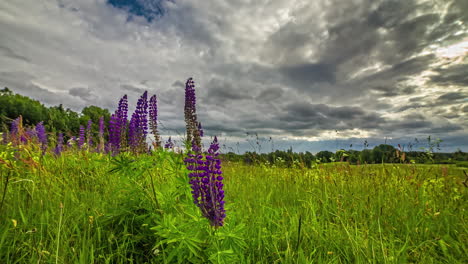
90,208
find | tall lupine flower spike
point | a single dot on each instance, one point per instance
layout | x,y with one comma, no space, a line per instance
121,113
16,130
81,139
59,147
193,135
114,134
153,120
139,128
133,133
41,136
100,148
206,181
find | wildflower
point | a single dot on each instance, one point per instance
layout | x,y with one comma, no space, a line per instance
81,139
206,183
138,127
41,136
200,129
169,144
153,119
59,146
114,133
121,113
193,134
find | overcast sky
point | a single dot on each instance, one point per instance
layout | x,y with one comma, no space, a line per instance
313,75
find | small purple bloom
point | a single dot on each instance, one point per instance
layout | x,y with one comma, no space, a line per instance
41,136
81,139
59,146
169,144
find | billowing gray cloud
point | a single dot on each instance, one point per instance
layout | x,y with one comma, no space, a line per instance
84,94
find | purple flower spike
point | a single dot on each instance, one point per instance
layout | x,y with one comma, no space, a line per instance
206,181
153,120
114,133
81,139
138,127
41,136
59,147
193,134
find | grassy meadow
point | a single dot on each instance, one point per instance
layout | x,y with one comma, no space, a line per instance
84,207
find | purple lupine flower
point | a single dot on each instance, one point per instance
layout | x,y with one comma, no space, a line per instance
133,133
138,127
169,144
100,148
193,134
206,181
89,134
81,139
200,129
153,119
122,112
16,125
114,133
59,146
41,136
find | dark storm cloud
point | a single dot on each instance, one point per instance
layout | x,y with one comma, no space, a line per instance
453,96
320,116
270,94
132,88
305,75
84,94
454,75
220,91
465,109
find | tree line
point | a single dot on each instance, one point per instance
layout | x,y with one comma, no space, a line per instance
55,118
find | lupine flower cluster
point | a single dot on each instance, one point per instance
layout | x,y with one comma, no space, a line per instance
205,168
206,182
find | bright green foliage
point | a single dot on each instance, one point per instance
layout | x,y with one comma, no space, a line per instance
92,208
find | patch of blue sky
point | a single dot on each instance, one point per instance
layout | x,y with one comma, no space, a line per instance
149,9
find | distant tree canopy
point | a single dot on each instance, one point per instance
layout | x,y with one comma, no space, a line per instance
55,118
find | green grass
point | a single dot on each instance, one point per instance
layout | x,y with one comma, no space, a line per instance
90,208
